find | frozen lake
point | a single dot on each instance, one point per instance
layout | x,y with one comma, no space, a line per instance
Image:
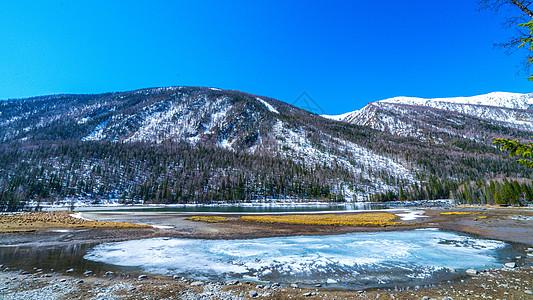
358,260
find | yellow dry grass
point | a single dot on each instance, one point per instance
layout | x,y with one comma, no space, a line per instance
457,213
31,221
364,219
209,219
493,206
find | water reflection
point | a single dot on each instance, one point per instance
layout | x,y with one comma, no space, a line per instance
246,208
56,258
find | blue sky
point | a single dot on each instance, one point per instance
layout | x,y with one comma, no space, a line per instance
344,54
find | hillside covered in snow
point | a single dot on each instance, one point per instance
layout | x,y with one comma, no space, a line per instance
196,144
479,117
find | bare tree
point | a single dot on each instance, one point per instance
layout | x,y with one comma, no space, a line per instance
523,15
525,12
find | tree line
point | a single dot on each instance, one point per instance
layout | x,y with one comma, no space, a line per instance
506,191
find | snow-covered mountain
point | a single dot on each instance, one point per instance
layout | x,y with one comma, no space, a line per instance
208,118
496,99
472,117
195,144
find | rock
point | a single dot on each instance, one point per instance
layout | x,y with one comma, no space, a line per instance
267,294
109,273
141,277
197,283
276,285
79,281
260,286
425,298
529,254
70,270
510,265
318,285
253,293
176,277
527,250
47,275
232,282
97,283
39,270
294,285
63,280
471,272
25,273
87,273
307,294
529,292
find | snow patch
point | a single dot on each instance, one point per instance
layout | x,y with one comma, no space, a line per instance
79,216
268,106
337,117
411,215
97,134
225,144
162,226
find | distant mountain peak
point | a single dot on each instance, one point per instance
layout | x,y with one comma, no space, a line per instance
477,117
497,99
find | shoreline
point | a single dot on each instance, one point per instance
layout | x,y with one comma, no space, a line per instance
272,203
502,283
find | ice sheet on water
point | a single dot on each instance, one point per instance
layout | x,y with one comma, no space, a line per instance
348,258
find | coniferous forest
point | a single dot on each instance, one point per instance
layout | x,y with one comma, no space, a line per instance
199,145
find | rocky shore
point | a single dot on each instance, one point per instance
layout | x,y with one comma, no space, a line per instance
505,283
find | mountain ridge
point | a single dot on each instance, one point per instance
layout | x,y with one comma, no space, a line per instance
409,116
198,144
